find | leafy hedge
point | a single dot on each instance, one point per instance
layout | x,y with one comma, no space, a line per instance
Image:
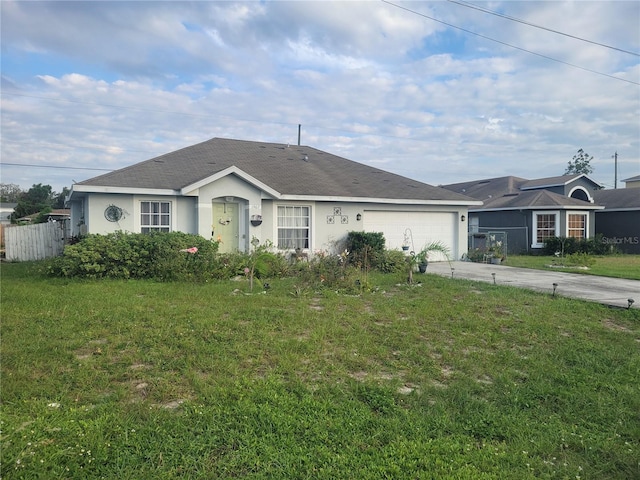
366,249
569,246
179,256
137,255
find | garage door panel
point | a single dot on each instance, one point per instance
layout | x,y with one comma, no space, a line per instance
422,228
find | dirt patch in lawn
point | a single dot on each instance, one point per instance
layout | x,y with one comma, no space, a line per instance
607,323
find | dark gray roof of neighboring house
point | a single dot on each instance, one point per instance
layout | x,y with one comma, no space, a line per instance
287,169
548,182
8,205
632,179
55,213
618,199
535,199
554,181
487,188
508,193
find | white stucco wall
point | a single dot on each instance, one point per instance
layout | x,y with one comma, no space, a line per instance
193,213
94,215
230,189
329,235
182,212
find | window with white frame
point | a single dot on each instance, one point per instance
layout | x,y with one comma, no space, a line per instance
474,224
155,216
577,225
545,226
294,225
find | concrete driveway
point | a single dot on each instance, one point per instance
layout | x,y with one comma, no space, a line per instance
605,290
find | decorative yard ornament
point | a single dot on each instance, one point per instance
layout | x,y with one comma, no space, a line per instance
113,213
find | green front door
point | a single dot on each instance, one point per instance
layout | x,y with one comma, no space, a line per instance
224,227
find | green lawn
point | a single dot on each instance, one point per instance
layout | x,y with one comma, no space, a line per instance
447,379
620,266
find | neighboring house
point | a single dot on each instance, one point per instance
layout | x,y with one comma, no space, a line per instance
528,212
6,209
619,222
632,182
233,191
55,215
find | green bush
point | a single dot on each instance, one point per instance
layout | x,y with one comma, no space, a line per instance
136,255
580,260
326,271
597,246
268,264
392,261
366,249
569,245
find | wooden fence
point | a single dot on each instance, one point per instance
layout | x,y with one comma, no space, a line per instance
34,242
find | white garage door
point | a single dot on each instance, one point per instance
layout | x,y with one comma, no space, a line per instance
421,227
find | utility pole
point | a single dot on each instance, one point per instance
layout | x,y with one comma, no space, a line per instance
615,175
299,127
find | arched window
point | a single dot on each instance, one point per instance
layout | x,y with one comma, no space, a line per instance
580,193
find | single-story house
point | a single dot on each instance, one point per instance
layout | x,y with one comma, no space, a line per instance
296,197
6,209
55,215
619,221
525,213
632,182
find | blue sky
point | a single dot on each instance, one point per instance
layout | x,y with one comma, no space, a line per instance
103,85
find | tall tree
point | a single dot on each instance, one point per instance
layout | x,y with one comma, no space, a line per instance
10,192
38,198
581,163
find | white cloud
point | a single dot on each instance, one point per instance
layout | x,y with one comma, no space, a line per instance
107,84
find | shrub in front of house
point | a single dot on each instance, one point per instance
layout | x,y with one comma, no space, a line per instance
366,249
162,256
579,260
392,261
568,245
330,271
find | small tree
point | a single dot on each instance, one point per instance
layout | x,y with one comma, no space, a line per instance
59,198
581,163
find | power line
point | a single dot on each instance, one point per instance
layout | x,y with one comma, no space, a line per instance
54,145
141,109
55,167
270,122
307,126
524,22
510,45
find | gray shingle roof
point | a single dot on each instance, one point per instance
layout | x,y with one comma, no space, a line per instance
555,181
488,188
290,170
535,199
632,179
548,182
505,193
618,199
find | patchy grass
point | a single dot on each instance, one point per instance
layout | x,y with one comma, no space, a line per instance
447,379
619,266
